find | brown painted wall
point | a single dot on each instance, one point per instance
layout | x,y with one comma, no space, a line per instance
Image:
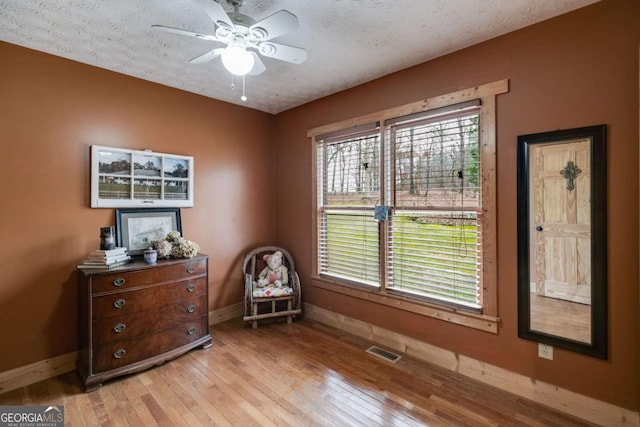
576,70
51,111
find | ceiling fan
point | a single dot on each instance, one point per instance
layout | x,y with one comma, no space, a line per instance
240,33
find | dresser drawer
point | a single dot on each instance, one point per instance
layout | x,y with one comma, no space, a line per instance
117,281
181,290
122,327
121,353
182,311
122,303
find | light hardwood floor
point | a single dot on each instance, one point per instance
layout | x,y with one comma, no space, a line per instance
562,318
287,375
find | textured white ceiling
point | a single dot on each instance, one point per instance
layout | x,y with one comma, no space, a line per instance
349,41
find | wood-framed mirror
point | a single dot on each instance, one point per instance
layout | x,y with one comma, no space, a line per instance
562,239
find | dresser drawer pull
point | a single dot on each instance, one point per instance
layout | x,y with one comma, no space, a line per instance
191,287
119,328
119,281
191,308
191,330
120,353
119,303
191,269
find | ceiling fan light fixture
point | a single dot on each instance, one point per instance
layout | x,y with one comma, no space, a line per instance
240,32
237,60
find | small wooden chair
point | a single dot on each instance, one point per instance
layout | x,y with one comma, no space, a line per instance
269,301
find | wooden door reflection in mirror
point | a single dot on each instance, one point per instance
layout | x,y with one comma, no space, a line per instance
562,291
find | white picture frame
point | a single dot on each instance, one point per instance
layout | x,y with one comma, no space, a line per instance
122,178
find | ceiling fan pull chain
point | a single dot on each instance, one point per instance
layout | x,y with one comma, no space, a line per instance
243,97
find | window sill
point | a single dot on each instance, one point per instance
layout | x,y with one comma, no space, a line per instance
447,314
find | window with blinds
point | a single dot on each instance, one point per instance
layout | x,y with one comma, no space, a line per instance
426,171
349,176
434,232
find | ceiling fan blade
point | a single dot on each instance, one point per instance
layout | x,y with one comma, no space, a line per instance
283,52
258,65
184,32
215,12
275,25
206,57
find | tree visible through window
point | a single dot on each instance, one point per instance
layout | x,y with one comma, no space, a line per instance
433,237
430,174
350,174
434,231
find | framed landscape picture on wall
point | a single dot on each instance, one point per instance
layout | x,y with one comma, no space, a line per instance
133,178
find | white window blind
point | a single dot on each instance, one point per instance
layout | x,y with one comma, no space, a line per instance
431,181
434,248
349,188
432,240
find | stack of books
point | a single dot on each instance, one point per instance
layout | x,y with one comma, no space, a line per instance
106,259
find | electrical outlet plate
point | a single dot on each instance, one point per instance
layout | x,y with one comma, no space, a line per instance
545,351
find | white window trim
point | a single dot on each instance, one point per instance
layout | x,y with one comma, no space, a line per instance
488,320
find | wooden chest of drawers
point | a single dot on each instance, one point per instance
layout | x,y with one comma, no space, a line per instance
137,316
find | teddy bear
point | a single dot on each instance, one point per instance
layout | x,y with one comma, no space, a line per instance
275,274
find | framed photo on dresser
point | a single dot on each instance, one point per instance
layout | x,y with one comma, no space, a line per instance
138,228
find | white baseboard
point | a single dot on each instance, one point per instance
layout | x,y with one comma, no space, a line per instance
566,401
23,376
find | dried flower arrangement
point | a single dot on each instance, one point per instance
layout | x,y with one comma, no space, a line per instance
174,245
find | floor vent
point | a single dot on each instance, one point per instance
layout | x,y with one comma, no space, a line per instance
383,354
